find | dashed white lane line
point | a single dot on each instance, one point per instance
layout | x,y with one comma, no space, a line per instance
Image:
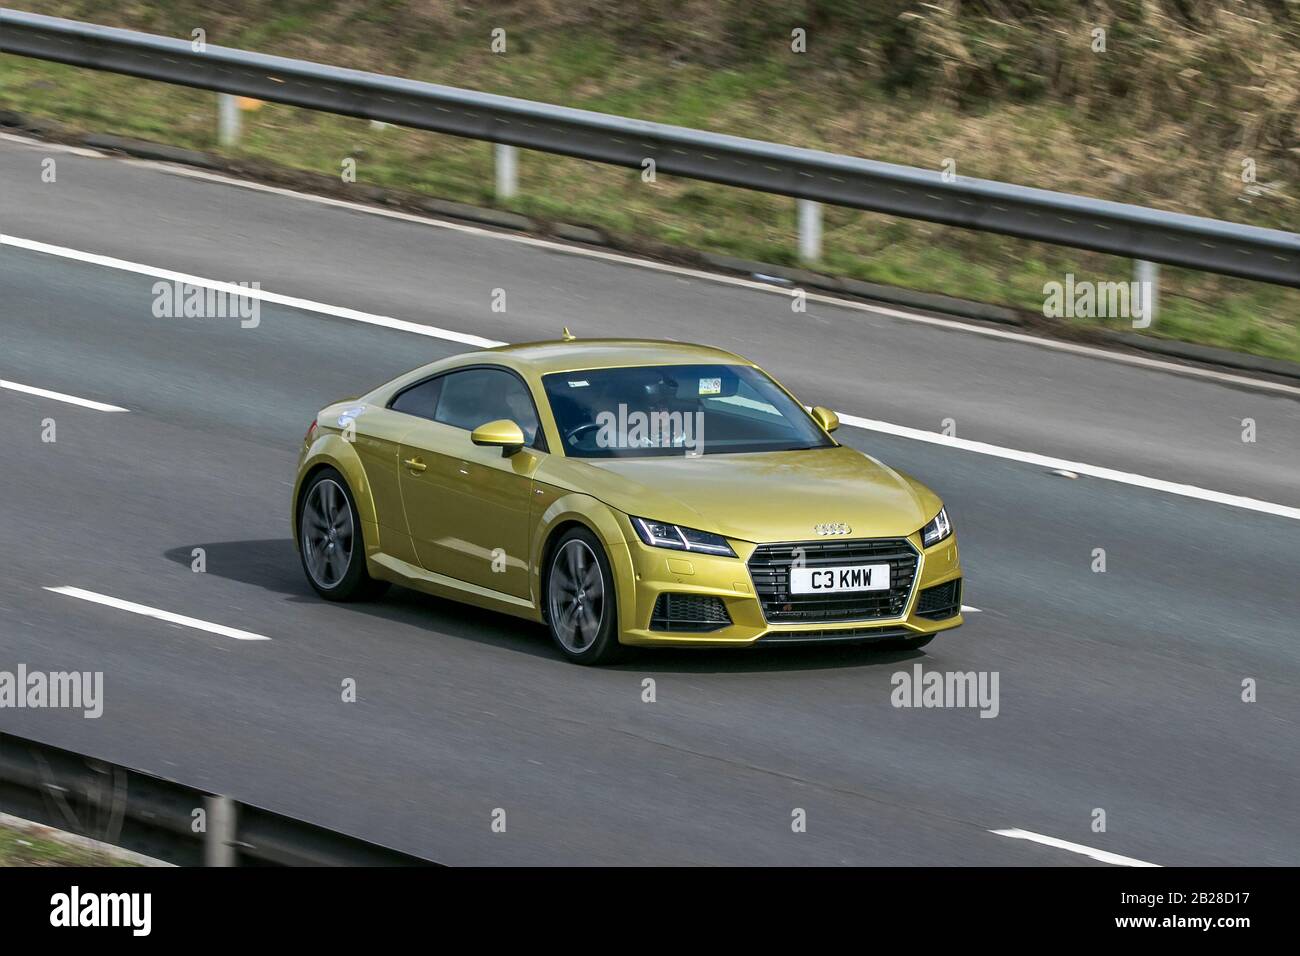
154,612
60,397
261,295
1093,471
902,431
1100,855
967,609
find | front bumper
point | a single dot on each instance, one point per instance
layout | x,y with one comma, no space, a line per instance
653,572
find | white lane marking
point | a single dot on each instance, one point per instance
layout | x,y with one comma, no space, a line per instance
621,258
262,295
53,147
167,616
1092,471
624,259
967,609
60,397
1100,855
902,431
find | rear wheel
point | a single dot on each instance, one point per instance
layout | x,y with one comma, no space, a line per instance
581,609
330,542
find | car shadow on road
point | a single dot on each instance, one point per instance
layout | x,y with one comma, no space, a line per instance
653,661
272,564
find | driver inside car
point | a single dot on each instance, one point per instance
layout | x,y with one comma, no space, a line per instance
522,413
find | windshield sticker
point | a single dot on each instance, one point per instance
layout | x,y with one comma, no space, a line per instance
580,383
711,386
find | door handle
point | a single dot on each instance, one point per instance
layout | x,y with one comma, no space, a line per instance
415,464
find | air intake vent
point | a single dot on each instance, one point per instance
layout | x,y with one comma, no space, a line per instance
850,635
689,612
943,600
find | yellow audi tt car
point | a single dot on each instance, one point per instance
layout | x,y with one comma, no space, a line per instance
622,492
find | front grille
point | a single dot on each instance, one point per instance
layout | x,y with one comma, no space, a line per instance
940,601
689,612
769,569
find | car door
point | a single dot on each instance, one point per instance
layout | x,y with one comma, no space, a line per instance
468,507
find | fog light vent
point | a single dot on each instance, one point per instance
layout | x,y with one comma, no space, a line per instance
689,612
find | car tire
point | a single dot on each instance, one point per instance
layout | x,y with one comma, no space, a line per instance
581,604
330,542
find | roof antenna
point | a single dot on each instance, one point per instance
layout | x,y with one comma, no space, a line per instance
567,335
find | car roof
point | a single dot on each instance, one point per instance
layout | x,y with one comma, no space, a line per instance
565,355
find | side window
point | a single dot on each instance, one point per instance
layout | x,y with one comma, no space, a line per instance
421,399
477,396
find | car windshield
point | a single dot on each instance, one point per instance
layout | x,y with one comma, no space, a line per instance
665,410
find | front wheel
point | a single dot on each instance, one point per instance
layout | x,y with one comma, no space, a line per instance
330,544
581,610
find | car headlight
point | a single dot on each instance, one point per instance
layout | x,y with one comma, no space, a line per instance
938,529
661,534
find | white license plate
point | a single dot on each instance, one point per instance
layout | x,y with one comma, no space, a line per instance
857,577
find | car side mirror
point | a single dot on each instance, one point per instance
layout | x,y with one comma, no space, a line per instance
826,418
503,434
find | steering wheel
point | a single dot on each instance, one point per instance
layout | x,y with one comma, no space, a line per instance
571,436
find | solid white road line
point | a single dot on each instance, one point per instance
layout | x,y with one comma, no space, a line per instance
1125,358
902,431
167,616
1093,471
261,295
59,397
967,609
1099,855
53,147
1090,351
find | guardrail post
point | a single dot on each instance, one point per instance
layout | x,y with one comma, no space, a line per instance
507,169
810,230
228,119
1147,276
219,839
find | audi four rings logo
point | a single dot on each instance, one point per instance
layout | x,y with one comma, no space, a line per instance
838,527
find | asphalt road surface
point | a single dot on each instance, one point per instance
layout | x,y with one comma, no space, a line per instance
1119,691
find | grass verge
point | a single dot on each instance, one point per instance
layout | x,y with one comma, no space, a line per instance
29,844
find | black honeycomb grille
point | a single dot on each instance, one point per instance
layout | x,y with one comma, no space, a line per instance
689,612
940,601
769,569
